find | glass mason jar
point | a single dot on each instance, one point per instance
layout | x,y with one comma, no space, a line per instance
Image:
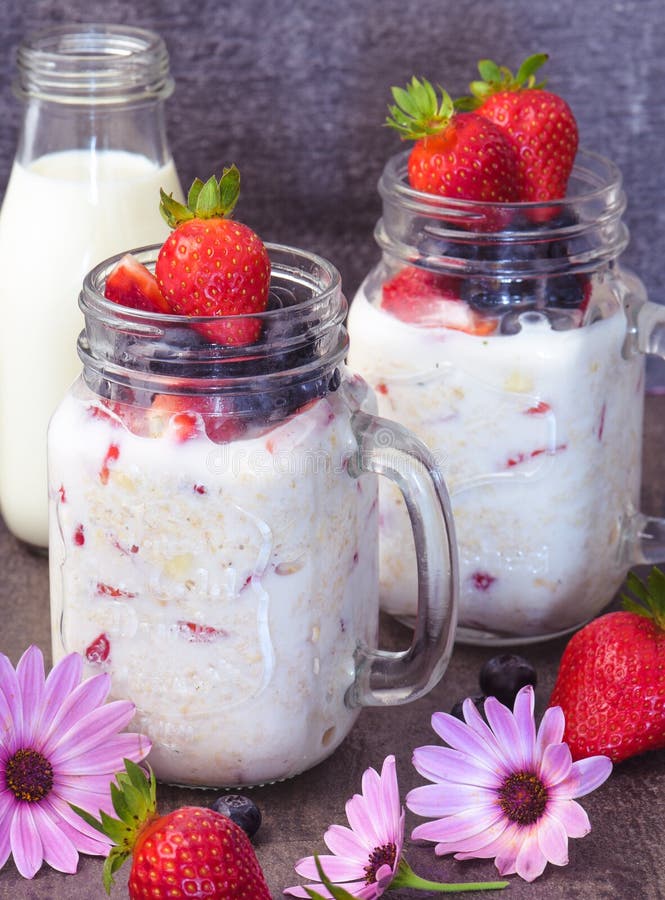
91,157
511,341
214,531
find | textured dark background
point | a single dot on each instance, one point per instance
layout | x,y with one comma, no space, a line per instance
296,92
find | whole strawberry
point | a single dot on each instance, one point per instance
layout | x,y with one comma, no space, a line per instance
460,155
611,682
192,852
212,265
539,124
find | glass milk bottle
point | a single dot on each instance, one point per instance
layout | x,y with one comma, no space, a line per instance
91,157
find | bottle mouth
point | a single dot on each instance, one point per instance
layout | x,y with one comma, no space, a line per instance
575,234
93,64
299,337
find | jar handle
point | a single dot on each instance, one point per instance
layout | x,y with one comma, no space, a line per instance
390,678
643,537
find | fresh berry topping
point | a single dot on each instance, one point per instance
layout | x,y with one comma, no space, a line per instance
212,265
539,125
191,852
478,701
132,284
611,680
426,298
112,455
182,418
79,536
98,651
482,581
241,810
503,676
461,155
108,590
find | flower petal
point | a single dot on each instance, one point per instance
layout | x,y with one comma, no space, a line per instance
531,860
434,800
344,842
585,776
503,724
555,765
552,840
336,868
25,841
108,757
92,730
30,676
551,729
572,816
462,737
63,678
446,766
453,829
84,837
85,698
11,708
526,726
59,852
392,813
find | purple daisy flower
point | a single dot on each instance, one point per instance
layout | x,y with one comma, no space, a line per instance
366,855
504,791
59,744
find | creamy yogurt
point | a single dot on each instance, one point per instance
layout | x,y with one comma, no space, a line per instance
538,435
60,216
225,587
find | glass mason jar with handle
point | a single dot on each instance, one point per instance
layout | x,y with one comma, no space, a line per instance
511,340
214,530
92,155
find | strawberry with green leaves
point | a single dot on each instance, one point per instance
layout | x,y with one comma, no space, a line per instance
212,265
611,681
456,154
191,852
539,124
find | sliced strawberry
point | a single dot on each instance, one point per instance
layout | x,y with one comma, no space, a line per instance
132,284
108,590
426,298
111,456
184,418
200,634
98,651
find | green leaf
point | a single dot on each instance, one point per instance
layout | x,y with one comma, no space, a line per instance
113,862
229,189
194,192
91,820
207,202
338,892
530,66
489,71
173,212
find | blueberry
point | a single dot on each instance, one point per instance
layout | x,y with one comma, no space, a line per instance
241,810
479,703
566,291
503,676
496,294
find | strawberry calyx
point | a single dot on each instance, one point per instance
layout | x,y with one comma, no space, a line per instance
418,112
495,79
209,200
650,594
134,799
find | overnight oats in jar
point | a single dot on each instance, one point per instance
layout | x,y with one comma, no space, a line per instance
504,334
214,524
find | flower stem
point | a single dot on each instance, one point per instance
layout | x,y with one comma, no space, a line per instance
407,878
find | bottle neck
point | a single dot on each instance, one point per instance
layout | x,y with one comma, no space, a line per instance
93,88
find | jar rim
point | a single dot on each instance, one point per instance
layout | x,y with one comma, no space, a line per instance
593,169
92,295
93,63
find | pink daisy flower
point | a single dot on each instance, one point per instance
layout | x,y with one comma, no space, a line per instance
59,744
504,791
367,857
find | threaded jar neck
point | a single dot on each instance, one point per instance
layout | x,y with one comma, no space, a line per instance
582,232
93,64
